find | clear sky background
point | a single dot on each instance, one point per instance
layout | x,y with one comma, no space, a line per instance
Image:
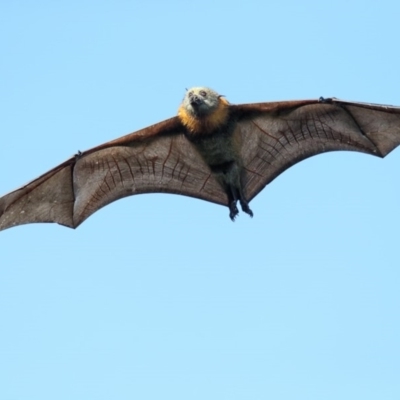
162,296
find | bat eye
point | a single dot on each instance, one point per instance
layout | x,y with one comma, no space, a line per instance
203,93
190,94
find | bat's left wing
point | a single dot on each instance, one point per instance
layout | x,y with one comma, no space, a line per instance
275,136
155,159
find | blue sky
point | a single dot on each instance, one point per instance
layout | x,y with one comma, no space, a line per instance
161,296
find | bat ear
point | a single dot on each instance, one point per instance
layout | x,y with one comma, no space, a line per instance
186,89
221,95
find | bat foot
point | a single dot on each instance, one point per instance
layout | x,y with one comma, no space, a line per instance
245,208
233,211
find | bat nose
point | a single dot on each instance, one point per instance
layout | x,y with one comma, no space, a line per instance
195,100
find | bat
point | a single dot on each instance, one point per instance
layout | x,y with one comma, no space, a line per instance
212,150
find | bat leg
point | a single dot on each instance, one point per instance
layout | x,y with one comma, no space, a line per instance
235,195
232,201
229,175
244,204
233,210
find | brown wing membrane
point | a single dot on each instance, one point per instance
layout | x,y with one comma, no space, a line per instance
155,159
278,135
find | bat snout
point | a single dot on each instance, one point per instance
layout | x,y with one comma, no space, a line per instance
195,101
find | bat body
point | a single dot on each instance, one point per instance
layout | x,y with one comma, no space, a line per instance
214,133
211,150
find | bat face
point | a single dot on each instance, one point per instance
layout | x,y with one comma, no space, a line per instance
200,101
212,150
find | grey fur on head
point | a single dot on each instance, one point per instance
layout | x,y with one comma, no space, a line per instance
200,100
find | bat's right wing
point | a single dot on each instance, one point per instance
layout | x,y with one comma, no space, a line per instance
155,159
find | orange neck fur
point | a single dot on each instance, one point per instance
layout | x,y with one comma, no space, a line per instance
208,123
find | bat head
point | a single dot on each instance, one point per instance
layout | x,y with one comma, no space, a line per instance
201,101
203,110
